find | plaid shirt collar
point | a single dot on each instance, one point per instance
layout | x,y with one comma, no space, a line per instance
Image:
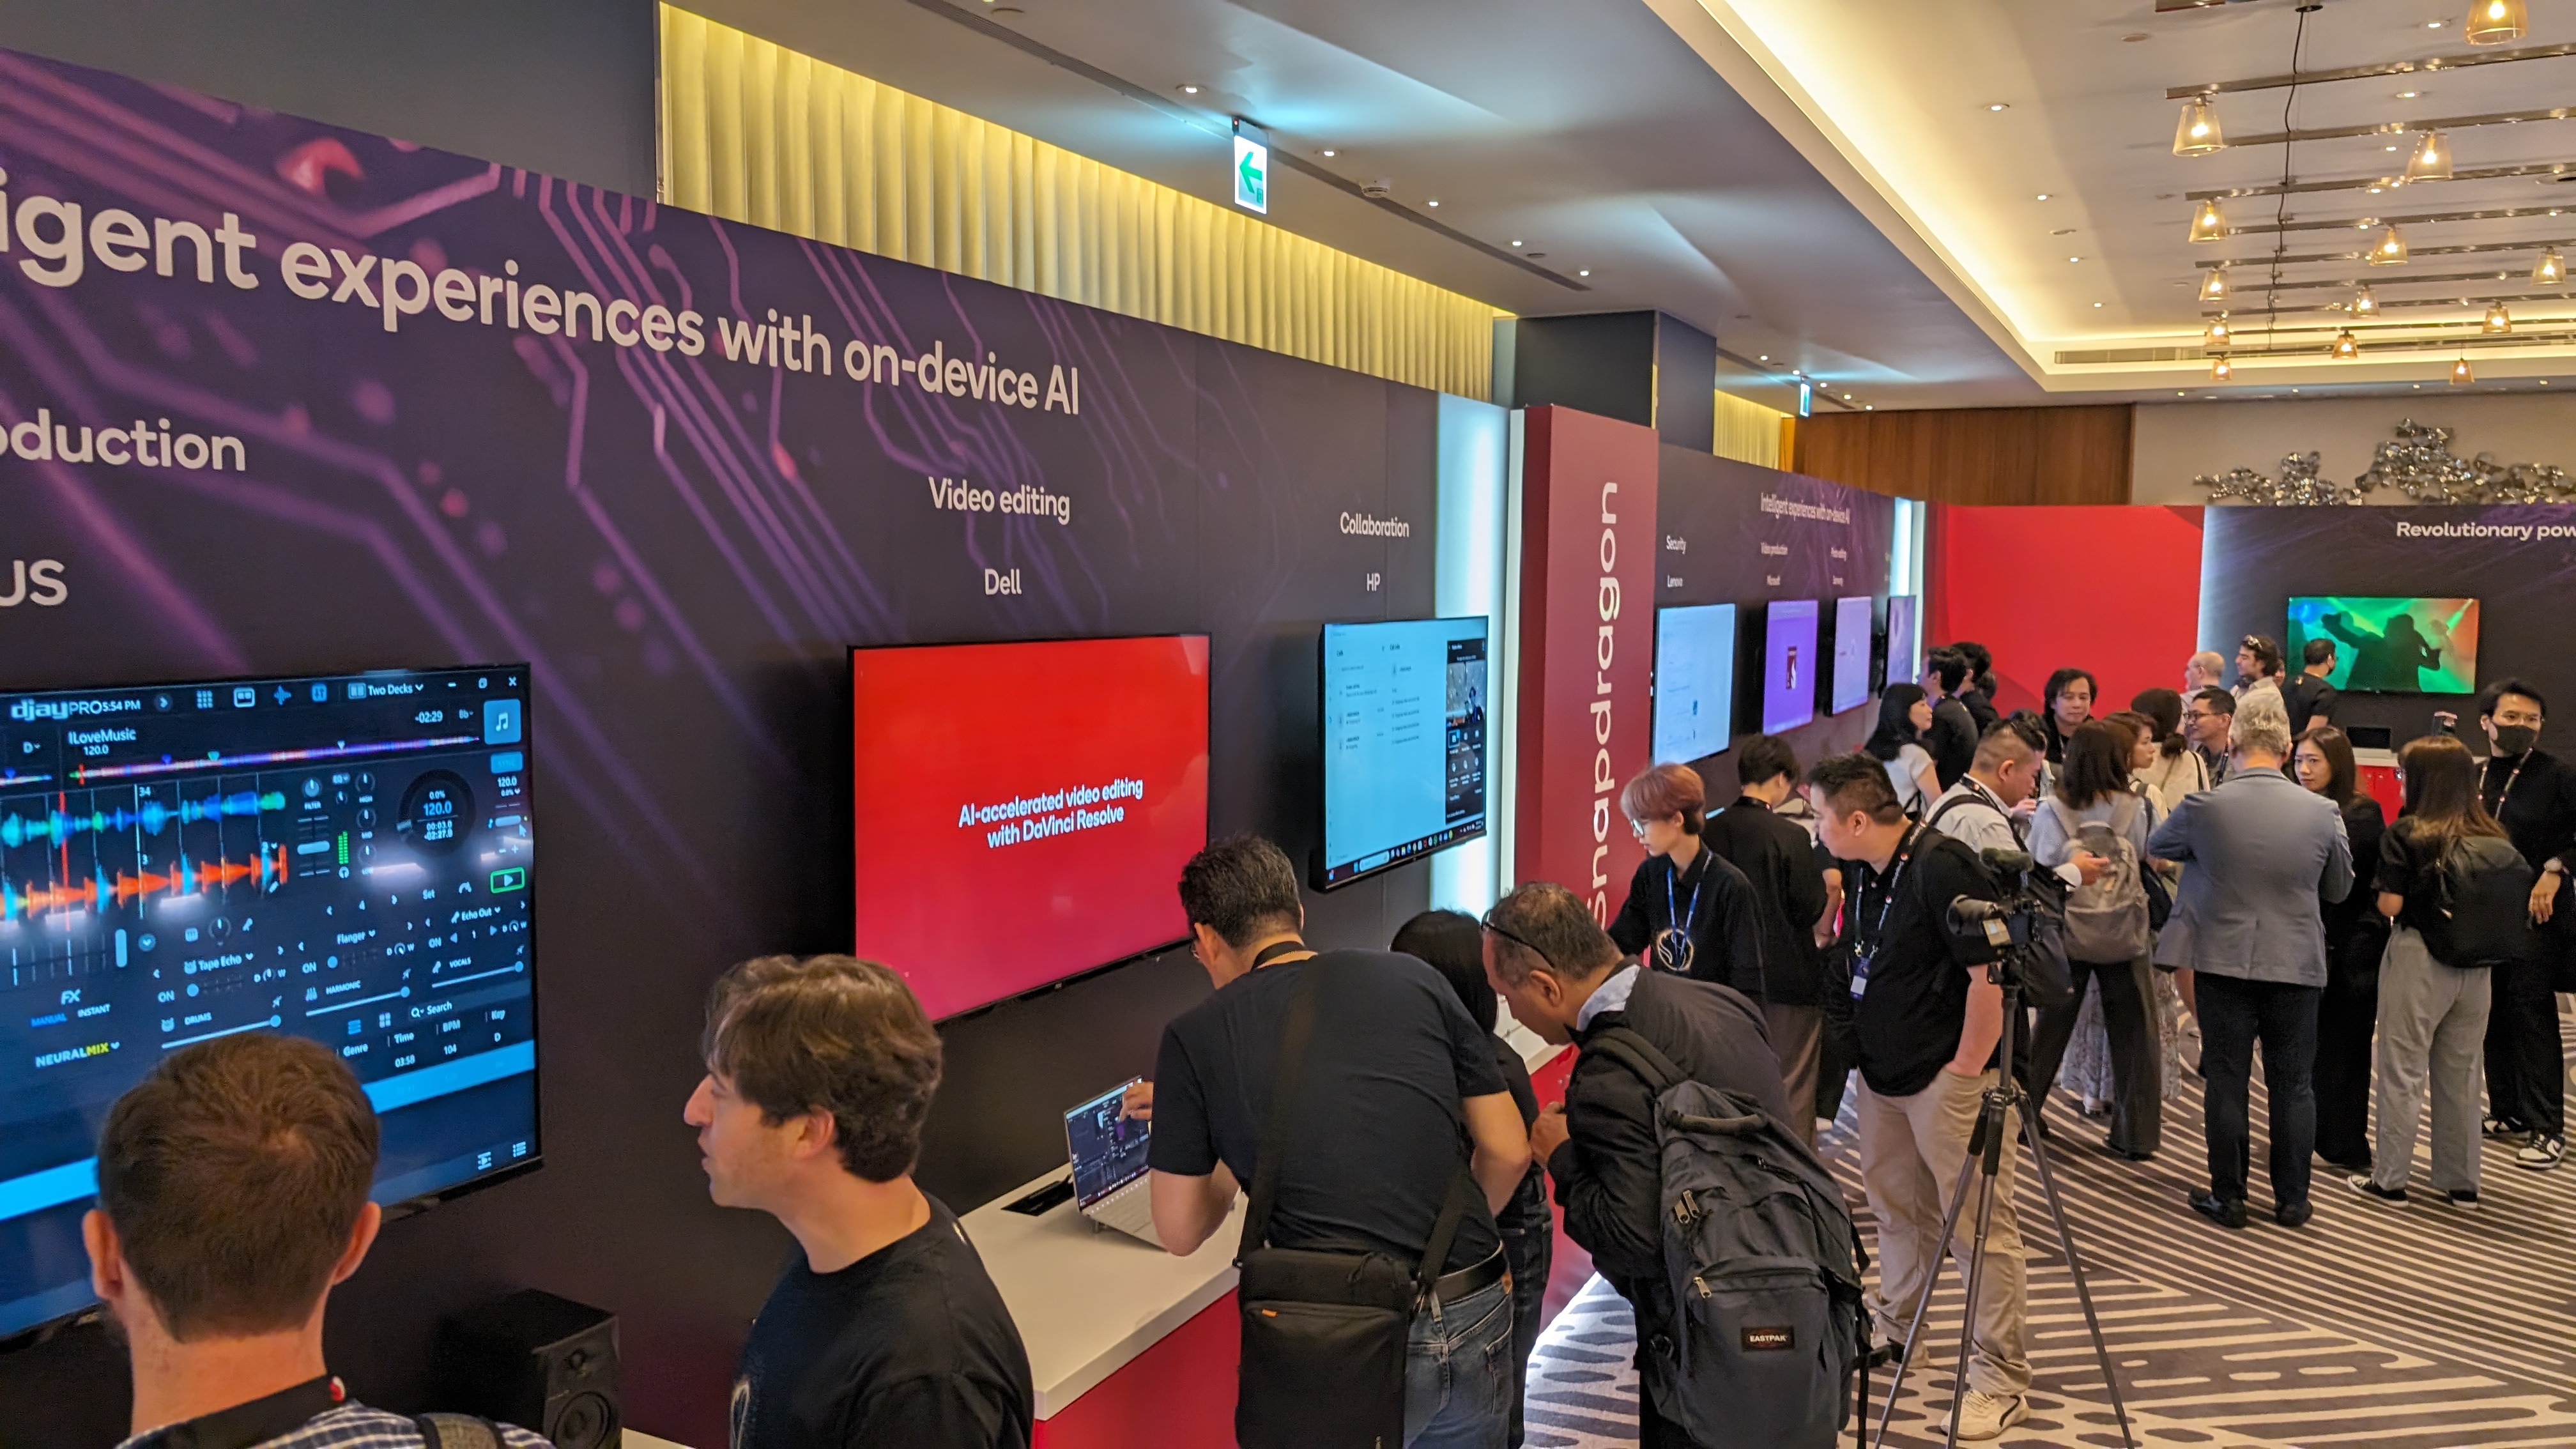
261,1421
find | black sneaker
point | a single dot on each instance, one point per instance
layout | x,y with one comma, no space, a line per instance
2463,1198
2372,1190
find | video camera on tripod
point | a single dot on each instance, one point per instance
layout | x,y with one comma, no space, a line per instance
2026,928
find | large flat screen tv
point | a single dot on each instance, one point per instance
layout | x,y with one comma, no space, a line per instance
1904,661
1855,628
1694,681
343,857
2392,645
1789,664
1021,812
1404,743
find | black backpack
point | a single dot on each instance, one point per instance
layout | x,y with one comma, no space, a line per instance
1762,1270
2485,906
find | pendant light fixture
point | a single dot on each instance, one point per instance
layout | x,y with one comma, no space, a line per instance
2498,319
2460,373
2389,250
2552,270
2345,349
2220,370
2432,159
2364,304
2495,22
2213,285
2196,134
2209,223
2216,334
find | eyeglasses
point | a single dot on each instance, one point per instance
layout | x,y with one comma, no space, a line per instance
1517,940
1637,828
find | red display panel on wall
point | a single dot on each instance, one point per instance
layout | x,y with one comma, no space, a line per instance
1022,811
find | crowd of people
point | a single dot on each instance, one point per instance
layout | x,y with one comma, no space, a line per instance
2210,864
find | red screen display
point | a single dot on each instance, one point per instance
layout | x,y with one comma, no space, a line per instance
1023,811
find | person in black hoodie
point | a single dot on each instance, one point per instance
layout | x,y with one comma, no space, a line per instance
2356,936
1688,911
1453,945
2533,795
1979,696
1779,860
1564,978
1952,739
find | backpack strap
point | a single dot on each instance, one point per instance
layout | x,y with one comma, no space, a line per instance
1638,1055
458,1431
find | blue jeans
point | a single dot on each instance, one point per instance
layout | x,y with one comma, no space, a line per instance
1458,1372
2234,1015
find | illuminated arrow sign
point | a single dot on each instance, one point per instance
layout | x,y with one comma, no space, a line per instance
1251,167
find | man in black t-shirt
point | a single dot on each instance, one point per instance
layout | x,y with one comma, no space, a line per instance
885,1329
1927,1022
1397,1093
1952,740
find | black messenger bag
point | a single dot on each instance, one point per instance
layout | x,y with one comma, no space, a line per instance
1324,1332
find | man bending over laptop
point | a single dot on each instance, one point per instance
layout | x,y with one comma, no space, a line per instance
232,1198
884,1330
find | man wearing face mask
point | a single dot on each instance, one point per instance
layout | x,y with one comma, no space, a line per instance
2533,794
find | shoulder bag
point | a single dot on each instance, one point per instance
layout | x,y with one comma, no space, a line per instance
1324,1332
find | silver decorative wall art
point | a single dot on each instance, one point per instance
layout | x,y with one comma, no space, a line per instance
2417,462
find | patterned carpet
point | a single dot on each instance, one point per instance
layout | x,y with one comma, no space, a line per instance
2418,1327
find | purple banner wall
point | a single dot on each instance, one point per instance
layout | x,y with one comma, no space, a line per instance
288,398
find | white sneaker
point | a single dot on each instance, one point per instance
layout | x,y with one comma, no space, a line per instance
1985,1416
2542,1154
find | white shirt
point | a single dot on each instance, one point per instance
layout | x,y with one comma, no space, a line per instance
1985,823
1611,995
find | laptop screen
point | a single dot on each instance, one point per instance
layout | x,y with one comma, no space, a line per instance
1108,1148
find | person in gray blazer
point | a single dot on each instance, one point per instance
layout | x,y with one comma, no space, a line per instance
2263,852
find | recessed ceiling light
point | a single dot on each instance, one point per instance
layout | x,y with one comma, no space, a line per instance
1765,357
1329,151
2428,25
1587,271
1516,241
2408,95
1873,407
2178,392
1189,90
2387,148
2075,259
1435,201
2043,196
2097,304
1999,105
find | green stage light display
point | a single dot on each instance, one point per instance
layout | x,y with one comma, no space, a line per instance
2392,646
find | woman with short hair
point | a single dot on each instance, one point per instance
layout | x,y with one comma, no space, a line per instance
1688,911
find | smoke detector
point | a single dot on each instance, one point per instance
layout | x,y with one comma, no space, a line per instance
1378,190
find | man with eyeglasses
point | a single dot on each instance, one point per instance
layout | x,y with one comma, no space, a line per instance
1564,978
2206,717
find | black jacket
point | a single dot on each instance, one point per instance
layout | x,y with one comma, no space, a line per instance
2356,932
1779,861
1952,741
2536,805
1979,697
1725,928
1609,1176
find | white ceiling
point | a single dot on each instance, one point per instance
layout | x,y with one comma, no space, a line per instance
1891,99
1584,129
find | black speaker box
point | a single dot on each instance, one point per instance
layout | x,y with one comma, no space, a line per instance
538,1361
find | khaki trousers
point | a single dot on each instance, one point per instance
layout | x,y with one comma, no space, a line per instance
1910,1151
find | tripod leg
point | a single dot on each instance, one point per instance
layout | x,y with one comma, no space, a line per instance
2083,1294
1986,1192
1941,1253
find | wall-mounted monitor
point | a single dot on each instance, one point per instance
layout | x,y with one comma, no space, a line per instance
1855,630
1404,743
1694,681
344,857
1904,653
1021,812
2391,645
1789,664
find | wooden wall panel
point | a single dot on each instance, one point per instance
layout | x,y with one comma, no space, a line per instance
1974,455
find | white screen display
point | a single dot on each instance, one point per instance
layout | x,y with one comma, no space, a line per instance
1694,682
1404,741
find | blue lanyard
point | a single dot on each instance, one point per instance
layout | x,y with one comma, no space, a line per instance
1673,917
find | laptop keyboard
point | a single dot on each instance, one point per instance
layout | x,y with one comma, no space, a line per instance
1130,1210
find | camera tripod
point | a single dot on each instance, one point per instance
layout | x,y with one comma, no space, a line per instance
1987,1144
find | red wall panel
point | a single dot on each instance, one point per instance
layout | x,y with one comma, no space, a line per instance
1587,647
2115,590
1179,1394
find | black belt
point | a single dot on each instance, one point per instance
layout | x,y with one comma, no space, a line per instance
1465,1281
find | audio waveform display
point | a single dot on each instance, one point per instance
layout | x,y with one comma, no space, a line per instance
151,816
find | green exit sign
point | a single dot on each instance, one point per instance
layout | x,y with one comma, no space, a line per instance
1251,167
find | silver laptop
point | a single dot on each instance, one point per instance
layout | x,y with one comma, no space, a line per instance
1108,1150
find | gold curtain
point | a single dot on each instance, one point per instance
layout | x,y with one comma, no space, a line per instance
1748,432
758,133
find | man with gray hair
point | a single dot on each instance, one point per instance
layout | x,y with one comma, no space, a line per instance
2263,851
1563,978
